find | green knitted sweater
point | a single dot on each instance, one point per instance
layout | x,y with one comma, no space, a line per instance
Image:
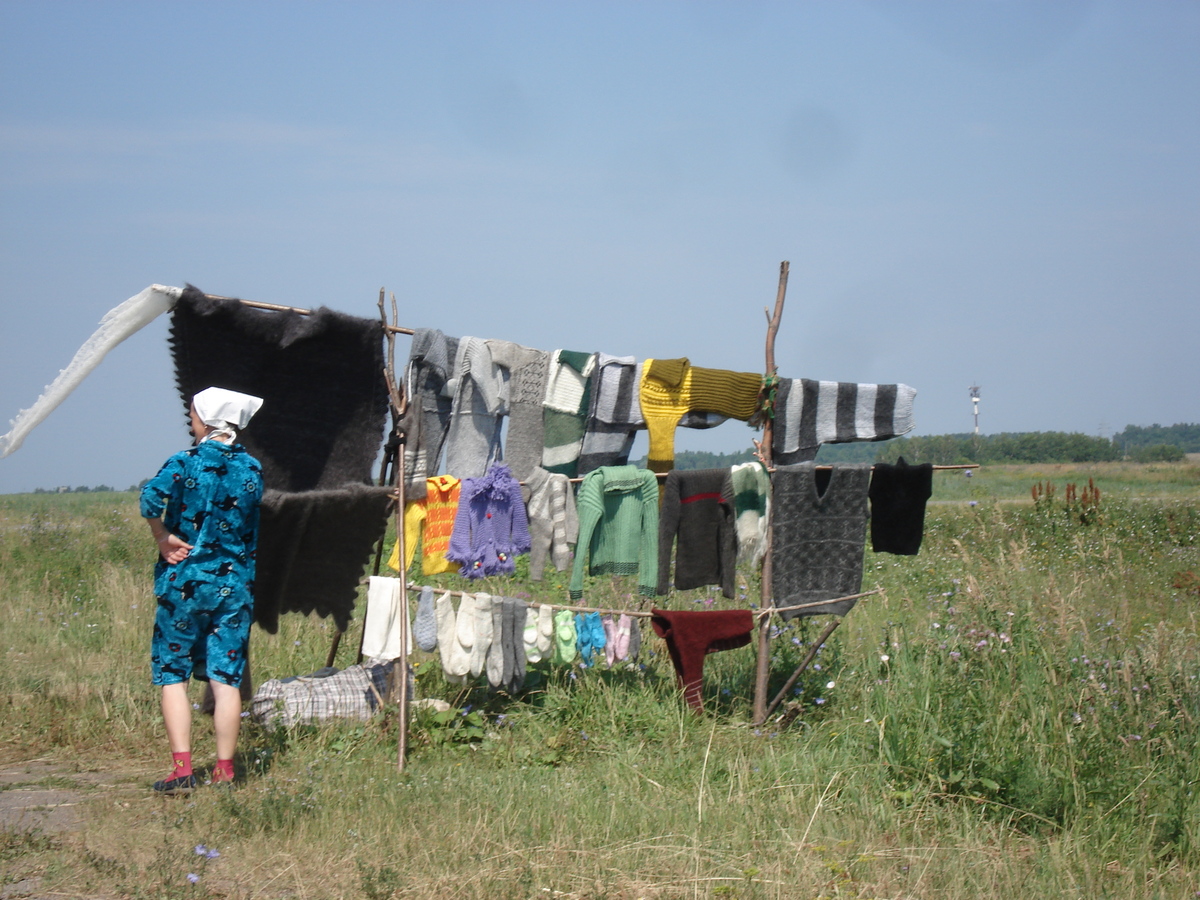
618,527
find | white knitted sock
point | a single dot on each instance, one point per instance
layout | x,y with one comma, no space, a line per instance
483,632
459,661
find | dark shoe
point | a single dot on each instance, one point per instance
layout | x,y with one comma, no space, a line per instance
184,784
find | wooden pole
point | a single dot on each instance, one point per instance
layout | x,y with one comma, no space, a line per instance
812,654
399,407
763,669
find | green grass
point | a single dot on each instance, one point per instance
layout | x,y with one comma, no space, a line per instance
1018,715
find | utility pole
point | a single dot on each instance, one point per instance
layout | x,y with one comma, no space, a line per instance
975,405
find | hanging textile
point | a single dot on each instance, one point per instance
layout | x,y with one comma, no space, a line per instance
618,527
525,392
427,420
568,393
381,625
810,413
672,387
118,323
751,501
553,521
693,634
697,517
429,521
614,414
491,528
312,547
473,442
819,525
320,377
898,494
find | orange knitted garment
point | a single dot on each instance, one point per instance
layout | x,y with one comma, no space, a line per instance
435,516
672,387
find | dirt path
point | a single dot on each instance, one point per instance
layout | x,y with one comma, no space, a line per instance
40,796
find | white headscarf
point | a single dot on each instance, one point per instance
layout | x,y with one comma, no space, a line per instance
225,411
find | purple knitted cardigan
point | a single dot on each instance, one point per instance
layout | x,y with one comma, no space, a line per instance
490,528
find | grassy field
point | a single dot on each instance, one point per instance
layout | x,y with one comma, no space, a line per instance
1019,715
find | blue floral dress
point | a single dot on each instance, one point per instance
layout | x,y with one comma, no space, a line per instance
209,496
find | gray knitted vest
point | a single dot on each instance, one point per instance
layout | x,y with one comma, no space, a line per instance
818,537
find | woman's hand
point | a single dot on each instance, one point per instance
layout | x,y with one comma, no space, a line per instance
170,547
173,549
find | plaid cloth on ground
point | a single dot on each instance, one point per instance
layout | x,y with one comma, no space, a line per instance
309,699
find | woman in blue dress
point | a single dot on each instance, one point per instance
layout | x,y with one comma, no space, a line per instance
202,509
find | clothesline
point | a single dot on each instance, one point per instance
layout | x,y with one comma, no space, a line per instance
638,613
397,329
255,304
822,468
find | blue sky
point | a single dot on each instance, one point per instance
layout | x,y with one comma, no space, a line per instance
1001,193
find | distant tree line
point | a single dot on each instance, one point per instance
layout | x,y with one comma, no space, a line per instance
84,489
1153,444
1184,436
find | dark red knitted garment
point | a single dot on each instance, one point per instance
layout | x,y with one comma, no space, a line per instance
693,634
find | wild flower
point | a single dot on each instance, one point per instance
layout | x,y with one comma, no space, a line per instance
954,654
818,700
193,877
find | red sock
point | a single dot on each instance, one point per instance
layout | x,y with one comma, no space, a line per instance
222,771
182,767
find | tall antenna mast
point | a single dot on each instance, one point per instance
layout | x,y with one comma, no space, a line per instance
975,405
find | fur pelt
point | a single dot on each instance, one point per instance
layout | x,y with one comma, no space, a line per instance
312,548
320,377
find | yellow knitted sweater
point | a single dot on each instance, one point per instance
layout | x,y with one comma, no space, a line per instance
672,387
435,515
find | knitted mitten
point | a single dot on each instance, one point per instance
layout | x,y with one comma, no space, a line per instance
545,631
590,635
621,637
635,640
564,637
533,653
610,640
425,626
